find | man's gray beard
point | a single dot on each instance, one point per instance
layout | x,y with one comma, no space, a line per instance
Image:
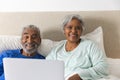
31,50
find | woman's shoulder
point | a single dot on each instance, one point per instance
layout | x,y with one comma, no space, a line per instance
60,44
87,41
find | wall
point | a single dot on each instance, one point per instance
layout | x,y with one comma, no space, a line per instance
11,23
58,5
47,14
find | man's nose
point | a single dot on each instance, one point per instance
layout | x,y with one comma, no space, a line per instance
30,40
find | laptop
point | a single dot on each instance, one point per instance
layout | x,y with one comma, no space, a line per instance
33,69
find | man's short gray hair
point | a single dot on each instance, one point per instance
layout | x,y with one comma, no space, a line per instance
68,18
31,27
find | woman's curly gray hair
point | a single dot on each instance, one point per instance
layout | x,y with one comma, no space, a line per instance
68,18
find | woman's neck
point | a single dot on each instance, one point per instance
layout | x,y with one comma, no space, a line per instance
71,45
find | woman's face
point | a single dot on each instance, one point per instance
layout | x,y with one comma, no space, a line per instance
73,30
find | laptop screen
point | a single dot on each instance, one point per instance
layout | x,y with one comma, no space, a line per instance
33,69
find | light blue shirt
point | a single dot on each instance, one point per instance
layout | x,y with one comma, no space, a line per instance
87,60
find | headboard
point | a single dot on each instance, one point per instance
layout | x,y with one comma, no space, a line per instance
11,23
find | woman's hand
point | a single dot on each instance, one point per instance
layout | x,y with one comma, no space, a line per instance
75,77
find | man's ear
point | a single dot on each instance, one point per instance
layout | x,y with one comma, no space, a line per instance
21,40
40,40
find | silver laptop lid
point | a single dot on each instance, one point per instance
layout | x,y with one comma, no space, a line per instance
33,69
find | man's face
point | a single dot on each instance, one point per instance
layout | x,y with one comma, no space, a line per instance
30,40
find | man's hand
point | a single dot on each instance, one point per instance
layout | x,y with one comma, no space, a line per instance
75,77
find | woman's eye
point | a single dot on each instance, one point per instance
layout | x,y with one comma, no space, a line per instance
78,28
69,27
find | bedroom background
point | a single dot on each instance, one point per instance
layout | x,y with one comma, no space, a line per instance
14,14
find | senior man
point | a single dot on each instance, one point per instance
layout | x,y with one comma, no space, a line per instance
30,41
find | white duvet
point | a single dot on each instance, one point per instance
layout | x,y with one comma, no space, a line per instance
110,77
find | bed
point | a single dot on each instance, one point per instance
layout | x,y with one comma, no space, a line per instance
101,26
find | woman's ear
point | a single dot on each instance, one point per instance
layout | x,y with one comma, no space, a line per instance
63,31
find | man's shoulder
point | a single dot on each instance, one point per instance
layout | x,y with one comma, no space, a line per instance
40,56
9,52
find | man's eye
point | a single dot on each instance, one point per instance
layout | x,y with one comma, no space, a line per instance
25,37
34,36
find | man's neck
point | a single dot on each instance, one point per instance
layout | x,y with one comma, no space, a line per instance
27,54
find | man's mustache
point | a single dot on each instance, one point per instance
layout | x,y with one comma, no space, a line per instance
31,44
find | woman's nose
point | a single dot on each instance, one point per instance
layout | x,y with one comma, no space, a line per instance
74,30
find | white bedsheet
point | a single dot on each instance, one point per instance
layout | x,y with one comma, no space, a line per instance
109,77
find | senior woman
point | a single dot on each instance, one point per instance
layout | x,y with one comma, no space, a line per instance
83,59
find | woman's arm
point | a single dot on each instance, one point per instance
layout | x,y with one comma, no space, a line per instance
99,66
75,77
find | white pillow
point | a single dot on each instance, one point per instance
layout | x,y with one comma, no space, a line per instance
46,46
96,36
9,42
13,42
